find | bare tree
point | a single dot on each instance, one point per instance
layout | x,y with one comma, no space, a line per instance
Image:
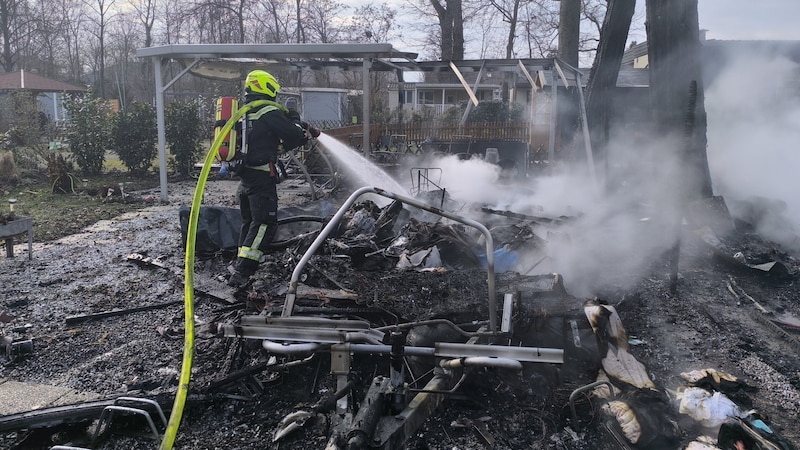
45,48
120,46
275,24
321,15
173,20
509,11
146,15
13,24
451,23
531,27
605,70
73,29
103,14
539,25
373,23
221,21
301,35
144,12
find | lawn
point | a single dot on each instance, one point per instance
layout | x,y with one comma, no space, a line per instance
85,200
56,215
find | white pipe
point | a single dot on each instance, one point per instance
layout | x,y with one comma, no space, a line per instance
481,361
289,349
361,338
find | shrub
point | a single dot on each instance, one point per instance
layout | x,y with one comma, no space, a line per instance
489,111
184,131
452,115
8,168
134,135
88,132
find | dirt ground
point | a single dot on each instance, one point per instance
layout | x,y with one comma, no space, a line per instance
719,316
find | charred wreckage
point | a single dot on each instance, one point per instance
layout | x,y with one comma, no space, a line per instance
397,344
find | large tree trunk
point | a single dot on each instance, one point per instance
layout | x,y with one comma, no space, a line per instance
458,29
674,48
603,77
451,23
569,31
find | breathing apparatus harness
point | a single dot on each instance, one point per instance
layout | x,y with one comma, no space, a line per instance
237,160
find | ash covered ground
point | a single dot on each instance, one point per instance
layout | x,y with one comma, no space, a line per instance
718,316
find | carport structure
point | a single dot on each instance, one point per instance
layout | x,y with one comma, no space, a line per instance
228,61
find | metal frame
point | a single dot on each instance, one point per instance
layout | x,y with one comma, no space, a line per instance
370,57
288,305
365,57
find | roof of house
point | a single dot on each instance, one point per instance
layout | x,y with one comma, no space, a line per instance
21,80
633,52
628,77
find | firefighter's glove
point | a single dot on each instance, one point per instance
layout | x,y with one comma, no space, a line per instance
312,132
294,116
220,123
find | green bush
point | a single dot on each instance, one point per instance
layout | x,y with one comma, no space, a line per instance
134,134
490,111
88,132
184,131
453,114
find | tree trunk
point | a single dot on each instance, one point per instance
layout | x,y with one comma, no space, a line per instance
603,77
451,23
569,29
458,29
674,49
512,29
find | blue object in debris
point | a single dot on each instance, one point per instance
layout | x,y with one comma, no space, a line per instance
758,423
504,259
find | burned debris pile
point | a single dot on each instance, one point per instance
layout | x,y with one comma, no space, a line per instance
406,326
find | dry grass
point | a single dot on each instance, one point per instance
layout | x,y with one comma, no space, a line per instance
8,168
58,215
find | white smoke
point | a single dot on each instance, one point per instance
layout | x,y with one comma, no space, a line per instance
603,239
614,238
753,136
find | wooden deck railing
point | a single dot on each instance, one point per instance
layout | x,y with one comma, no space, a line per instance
419,132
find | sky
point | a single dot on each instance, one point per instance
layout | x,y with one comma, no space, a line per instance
737,19
740,19
724,19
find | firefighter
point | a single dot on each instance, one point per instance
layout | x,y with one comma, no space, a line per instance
267,130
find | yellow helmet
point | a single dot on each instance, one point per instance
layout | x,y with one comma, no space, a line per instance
261,82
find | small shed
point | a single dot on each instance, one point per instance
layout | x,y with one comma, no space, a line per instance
326,105
49,93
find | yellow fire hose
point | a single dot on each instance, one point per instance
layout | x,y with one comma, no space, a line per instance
188,286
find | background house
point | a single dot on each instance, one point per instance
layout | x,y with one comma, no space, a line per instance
49,93
433,99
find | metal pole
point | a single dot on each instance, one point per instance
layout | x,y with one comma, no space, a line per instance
551,148
585,123
162,141
365,106
291,294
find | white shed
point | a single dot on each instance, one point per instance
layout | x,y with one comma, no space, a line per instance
324,104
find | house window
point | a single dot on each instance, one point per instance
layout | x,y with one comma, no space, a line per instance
450,99
426,97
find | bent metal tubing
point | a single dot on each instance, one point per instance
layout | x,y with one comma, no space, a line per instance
288,305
